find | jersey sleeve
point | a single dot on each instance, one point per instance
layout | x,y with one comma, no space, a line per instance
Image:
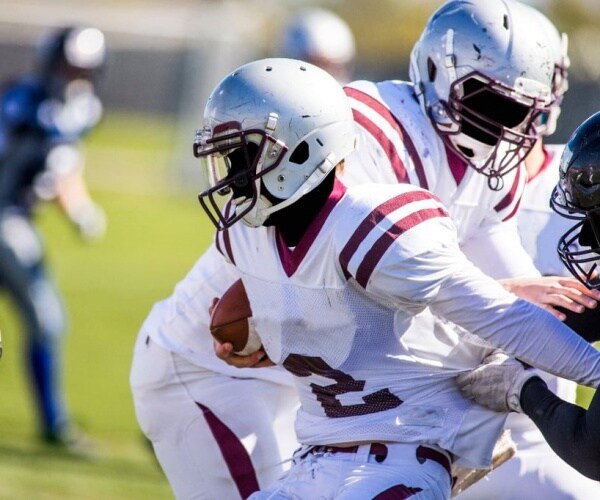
497,250
182,319
398,241
480,305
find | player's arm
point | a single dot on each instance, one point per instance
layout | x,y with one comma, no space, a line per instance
75,200
525,331
586,324
62,181
424,266
185,313
503,384
571,431
496,248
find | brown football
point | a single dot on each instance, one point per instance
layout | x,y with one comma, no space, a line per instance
231,320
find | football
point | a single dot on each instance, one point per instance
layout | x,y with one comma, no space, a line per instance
231,321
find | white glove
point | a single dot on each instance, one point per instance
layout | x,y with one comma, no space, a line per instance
497,382
91,222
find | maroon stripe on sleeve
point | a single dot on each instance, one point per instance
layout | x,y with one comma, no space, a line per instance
371,220
373,256
235,455
510,197
387,145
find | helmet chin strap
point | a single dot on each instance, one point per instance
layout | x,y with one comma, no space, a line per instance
263,208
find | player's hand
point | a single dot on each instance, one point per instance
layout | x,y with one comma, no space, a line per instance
550,291
91,222
258,359
496,383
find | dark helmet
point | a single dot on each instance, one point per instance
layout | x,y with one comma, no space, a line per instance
73,52
577,196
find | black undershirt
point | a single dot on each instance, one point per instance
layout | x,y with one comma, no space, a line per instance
571,431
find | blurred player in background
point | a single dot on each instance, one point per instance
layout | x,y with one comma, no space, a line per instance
506,385
322,38
536,469
44,117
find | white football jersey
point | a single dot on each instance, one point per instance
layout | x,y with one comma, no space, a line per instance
541,227
180,323
333,311
398,144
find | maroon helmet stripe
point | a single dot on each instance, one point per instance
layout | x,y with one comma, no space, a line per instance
371,220
388,147
235,455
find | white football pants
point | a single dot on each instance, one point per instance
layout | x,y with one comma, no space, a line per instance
361,475
215,436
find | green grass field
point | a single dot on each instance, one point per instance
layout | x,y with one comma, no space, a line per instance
154,237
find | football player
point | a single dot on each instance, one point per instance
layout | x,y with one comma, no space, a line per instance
43,119
462,127
322,38
190,470
536,470
343,272
572,431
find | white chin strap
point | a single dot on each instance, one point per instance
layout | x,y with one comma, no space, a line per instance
481,151
258,213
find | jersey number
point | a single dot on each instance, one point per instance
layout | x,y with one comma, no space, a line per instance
304,366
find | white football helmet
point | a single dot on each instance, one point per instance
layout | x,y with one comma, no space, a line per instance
322,38
75,51
559,43
483,76
273,129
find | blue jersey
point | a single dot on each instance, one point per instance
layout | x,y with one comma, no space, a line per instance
32,121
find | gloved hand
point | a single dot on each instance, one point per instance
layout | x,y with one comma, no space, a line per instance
497,382
91,222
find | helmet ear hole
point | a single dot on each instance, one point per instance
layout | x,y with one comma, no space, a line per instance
431,70
300,153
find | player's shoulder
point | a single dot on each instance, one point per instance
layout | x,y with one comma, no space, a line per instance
366,90
23,88
20,96
389,201
386,224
